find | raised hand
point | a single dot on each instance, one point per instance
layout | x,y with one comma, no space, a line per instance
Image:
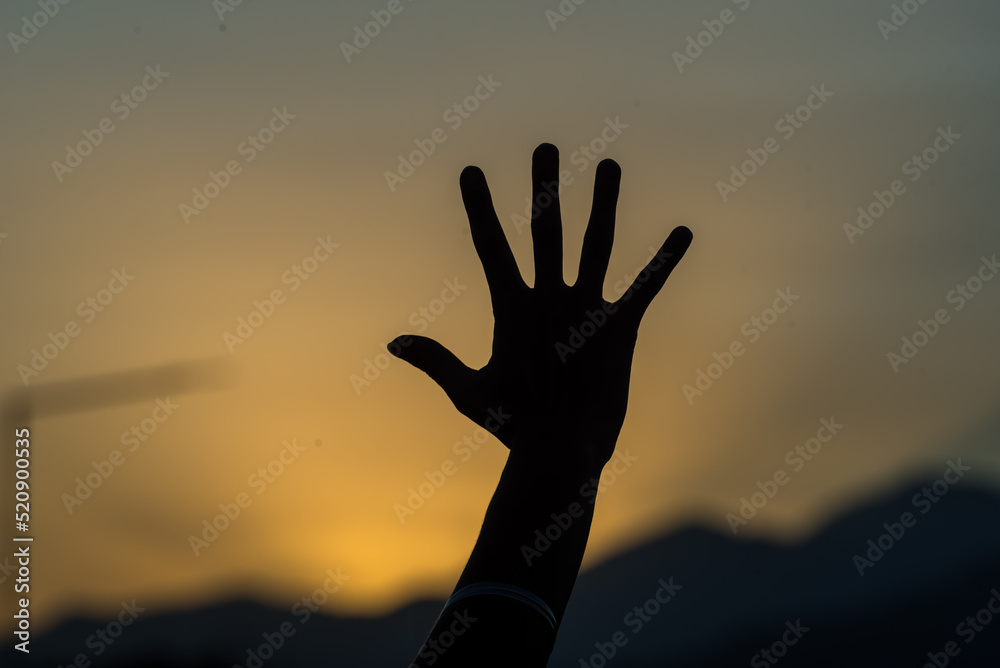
538,375
558,402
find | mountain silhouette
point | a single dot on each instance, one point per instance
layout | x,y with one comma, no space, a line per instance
735,597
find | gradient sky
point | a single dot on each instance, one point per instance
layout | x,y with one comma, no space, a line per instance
324,176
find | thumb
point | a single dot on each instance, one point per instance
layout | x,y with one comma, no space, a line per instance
435,360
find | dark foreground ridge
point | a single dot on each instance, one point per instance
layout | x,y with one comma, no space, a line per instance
734,600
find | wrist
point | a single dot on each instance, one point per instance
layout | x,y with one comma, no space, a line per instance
558,459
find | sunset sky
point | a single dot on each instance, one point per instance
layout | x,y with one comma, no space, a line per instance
312,183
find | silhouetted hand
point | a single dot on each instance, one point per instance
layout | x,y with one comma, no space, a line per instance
538,374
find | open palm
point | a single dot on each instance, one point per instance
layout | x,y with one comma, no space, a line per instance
561,355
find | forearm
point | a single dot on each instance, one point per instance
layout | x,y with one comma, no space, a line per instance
534,536
536,527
